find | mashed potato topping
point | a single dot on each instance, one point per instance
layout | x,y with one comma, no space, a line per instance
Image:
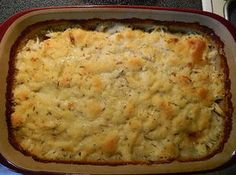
119,94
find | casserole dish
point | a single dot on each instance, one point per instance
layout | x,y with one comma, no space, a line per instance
18,25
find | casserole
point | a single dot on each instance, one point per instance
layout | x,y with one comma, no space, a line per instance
155,102
87,13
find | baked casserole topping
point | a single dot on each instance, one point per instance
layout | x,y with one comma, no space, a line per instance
118,94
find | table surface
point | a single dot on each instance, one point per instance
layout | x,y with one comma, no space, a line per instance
10,7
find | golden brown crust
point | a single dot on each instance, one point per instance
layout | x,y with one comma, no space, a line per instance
196,47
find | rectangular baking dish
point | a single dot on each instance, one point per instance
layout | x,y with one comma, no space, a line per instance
12,28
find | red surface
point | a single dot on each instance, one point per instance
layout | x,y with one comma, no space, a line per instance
5,25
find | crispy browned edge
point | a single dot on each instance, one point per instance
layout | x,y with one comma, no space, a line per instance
34,29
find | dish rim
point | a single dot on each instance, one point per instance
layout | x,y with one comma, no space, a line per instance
7,23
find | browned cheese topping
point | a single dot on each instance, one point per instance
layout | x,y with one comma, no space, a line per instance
120,95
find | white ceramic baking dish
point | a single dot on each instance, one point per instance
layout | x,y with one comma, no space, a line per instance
11,29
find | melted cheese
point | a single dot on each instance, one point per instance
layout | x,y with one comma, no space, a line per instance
124,94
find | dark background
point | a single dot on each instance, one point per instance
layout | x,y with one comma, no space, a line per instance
10,7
